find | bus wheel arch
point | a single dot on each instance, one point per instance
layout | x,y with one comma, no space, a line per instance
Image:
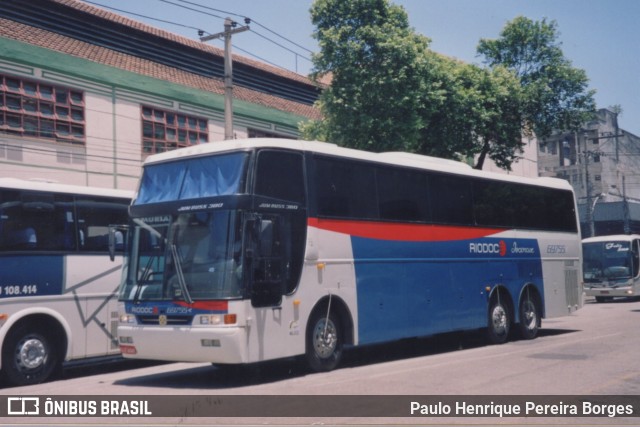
529,312
329,328
33,350
500,315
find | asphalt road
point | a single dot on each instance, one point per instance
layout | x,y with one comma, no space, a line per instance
595,351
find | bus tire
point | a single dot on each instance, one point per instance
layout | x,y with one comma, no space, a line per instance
325,341
29,356
529,314
499,322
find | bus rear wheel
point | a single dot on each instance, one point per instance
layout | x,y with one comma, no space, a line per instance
28,357
499,322
529,319
324,342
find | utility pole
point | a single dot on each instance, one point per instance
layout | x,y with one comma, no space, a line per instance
593,154
229,29
625,208
589,208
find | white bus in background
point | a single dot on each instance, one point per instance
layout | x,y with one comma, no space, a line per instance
611,266
250,250
57,284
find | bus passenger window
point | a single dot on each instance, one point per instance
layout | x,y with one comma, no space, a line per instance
35,221
22,239
280,175
344,189
453,194
94,218
402,195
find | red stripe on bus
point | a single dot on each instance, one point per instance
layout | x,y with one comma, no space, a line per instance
402,232
206,305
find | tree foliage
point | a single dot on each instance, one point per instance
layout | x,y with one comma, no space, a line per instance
377,65
555,94
479,115
390,92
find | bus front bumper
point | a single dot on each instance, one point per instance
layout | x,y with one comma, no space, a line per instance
606,292
215,345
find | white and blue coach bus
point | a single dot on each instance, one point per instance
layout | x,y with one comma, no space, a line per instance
58,300
249,250
611,266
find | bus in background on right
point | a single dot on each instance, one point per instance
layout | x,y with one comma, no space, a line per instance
611,266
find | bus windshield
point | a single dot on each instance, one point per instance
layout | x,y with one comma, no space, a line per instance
607,260
190,257
193,178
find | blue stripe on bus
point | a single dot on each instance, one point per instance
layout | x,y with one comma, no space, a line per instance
408,289
27,275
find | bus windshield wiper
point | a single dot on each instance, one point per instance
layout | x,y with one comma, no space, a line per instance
181,281
144,278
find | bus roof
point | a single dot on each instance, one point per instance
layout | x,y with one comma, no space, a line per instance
392,158
613,237
54,187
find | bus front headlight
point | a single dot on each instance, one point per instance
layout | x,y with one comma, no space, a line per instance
219,319
127,318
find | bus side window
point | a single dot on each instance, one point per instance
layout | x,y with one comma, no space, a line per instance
15,232
280,176
35,221
24,238
346,189
453,193
94,218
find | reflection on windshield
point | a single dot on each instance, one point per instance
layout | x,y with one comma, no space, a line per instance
145,262
195,256
608,260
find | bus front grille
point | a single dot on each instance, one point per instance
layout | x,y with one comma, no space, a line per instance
168,320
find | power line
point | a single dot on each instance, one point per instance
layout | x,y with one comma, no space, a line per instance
253,21
278,44
244,17
192,9
201,31
143,16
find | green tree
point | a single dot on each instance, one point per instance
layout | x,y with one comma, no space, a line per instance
555,94
378,92
479,116
390,92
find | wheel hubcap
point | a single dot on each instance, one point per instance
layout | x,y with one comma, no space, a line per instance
325,338
529,317
31,354
499,319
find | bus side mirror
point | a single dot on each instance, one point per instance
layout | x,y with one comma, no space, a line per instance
267,276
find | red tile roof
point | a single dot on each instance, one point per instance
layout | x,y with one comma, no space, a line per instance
53,41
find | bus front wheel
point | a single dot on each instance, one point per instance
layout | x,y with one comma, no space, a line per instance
324,341
499,322
28,357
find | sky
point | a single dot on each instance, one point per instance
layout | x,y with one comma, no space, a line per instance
600,37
